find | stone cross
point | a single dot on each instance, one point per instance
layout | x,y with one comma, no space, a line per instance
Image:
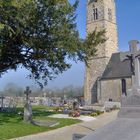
27,107
133,55
27,92
130,104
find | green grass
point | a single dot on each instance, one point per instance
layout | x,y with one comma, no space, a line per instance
11,125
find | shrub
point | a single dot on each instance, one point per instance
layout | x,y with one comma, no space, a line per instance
97,113
94,114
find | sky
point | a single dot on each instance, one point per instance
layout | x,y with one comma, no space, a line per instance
128,22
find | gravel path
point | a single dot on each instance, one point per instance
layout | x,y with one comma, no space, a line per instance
66,133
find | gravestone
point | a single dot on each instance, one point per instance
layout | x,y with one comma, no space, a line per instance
27,106
127,124
75,105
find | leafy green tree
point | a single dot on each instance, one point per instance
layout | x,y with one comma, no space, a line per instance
41,35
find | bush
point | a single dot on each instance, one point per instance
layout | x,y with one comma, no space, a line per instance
58,109
97,113
94,114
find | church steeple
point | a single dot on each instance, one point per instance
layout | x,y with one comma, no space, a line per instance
101,14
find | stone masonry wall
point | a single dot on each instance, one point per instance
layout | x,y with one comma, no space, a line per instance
93,72
112,89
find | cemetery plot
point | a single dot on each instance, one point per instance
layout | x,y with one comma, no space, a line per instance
12,125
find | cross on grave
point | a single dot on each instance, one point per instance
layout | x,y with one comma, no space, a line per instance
2,98
27,92
133,56
27,107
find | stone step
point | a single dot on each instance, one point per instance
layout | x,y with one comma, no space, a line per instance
129,112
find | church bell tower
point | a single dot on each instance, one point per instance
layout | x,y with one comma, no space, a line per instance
101,14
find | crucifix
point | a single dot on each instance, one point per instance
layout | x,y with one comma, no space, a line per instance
133,56
130,104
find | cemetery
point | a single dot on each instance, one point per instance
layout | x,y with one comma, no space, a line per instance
12,125
17,112
43,38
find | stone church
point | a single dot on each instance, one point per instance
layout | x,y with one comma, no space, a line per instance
107,77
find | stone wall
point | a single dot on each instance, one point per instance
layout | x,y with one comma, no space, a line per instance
93,72
111,89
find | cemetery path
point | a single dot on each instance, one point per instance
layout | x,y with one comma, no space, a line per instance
66,133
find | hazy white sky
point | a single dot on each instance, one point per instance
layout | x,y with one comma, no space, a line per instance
74,76
128,28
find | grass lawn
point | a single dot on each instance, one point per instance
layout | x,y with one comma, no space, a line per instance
11,125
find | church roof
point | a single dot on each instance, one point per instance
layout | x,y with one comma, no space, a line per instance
116,68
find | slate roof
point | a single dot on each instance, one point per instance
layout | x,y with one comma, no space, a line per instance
116,68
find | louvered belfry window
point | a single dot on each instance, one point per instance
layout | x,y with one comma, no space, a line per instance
95,14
